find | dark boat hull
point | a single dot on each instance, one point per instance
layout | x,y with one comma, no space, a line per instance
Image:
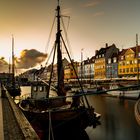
14,91
65,124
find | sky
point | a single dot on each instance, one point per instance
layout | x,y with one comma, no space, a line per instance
92,24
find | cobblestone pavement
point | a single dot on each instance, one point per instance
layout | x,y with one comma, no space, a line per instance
10,125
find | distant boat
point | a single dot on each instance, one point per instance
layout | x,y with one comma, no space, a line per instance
13,86
130,91
53,113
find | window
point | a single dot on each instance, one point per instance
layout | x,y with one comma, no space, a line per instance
123,63
109,60
135,69
41,88
127,62
35,88
122,57
131,69
135,61
114,59
127,70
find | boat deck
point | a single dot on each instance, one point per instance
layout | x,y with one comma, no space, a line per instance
13,124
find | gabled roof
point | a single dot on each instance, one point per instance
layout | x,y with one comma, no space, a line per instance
104,50
122,53
135,48
107,52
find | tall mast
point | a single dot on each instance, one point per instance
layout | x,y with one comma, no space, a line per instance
60,70
13,64
137,56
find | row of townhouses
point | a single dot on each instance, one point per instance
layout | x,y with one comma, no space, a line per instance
109,62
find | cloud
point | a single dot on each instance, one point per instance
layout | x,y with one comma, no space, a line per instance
4,67
30,58
92,3
98,14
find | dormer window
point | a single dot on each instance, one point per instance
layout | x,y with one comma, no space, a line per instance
109,60
114,60
122,57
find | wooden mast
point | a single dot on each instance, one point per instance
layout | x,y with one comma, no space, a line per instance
137,56
60,69
13,64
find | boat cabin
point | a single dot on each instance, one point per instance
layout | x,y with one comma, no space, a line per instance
38,90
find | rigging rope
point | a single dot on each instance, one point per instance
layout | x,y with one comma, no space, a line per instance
48,42
68,42
50,127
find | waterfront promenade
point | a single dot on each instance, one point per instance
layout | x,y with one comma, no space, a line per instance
13,124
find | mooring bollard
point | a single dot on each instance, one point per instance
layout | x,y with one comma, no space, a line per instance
3,93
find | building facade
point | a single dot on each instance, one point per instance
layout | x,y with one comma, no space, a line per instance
112,66
101,58
129,62
71,71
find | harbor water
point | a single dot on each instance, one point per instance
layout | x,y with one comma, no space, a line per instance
118,121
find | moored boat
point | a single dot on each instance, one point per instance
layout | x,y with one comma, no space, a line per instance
53,113
13,86
130,91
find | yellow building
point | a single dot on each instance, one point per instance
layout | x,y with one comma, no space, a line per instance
128,62
99,67
69,72
101,58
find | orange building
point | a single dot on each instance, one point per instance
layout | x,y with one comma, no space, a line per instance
69,72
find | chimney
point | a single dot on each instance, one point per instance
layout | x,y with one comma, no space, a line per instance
96,51
106,45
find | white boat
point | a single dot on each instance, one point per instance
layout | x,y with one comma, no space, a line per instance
130,91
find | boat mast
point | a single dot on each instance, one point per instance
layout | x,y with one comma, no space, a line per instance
13,64
60,70
137,56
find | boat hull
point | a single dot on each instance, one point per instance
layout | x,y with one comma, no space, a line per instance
63,122
14,91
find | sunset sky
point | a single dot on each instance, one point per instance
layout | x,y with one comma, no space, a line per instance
92,24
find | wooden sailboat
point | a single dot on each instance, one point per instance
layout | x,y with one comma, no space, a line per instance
57,117
13,87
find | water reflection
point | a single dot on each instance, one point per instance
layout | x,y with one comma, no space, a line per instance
117,122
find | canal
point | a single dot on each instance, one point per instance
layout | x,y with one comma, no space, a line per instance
117,118
117,122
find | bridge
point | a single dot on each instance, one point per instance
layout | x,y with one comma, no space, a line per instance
13,123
